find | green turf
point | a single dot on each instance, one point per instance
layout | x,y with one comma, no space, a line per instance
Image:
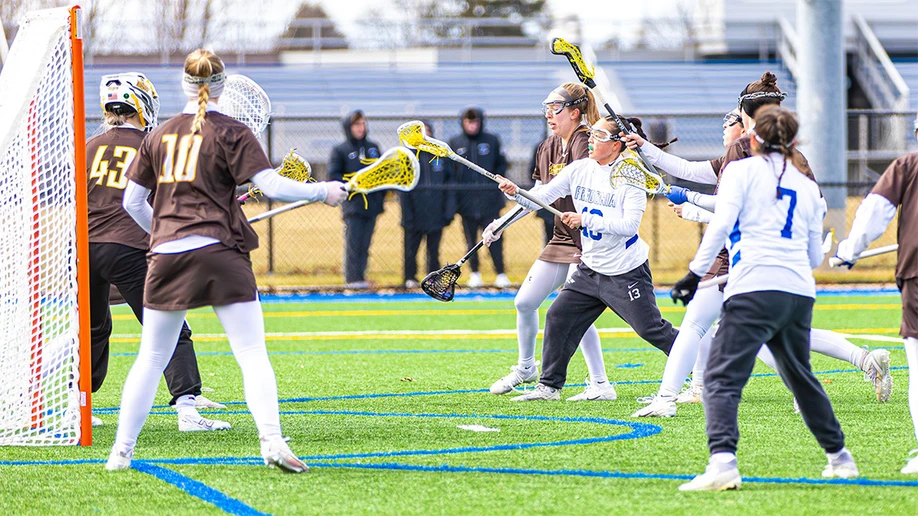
775,443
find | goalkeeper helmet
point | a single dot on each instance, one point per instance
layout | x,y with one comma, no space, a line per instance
129,93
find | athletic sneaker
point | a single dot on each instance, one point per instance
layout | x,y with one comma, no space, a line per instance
96,421
911,467
540,393
842,467
661,406
596,392
200,424
502,281
876,370
277,454
516,377
200,402
119,460
691,393
474,280
716,477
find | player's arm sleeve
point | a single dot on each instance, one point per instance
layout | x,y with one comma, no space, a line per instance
872,217
814,236
548,193
695,171
726,213
633,206
701,200
135,203
696,214
285,189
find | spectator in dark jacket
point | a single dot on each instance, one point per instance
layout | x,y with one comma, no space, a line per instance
426,210
478,201
361,211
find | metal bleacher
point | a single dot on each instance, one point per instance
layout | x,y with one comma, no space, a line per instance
908,68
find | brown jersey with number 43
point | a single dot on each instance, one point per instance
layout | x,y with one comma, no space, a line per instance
108,157
195,178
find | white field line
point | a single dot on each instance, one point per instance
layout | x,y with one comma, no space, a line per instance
406,333
878,338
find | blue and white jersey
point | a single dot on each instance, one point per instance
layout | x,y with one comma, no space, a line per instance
610,216
773,233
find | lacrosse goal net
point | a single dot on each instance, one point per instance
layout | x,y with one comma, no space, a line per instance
44,309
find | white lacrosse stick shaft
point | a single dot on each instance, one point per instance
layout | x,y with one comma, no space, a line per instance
836,261
490,175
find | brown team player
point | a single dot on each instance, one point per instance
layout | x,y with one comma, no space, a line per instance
570,110
200,245
897,189
118,246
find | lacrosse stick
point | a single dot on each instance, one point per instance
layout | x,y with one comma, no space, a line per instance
836,261
586,73
441,284
630,171
396,169
293,167
413,136
244,100
720,280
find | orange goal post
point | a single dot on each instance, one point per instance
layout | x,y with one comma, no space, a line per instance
45,373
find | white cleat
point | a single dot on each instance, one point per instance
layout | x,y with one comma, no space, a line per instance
541,392
200,402
661,406
842,467
119,460
691,394
474,280
911,467
201,424
502,281
876,370
96,422
596,392
516,377
716,477
278,455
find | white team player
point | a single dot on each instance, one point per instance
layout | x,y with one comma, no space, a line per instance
770,215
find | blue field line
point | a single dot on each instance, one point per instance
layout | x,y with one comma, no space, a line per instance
509,295
196,489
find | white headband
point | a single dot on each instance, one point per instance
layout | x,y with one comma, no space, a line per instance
191,84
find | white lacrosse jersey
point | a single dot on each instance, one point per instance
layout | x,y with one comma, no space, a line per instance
611,216
773,232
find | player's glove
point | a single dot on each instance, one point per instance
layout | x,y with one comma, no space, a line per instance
845,253
335,193
491,233
684,289
678,194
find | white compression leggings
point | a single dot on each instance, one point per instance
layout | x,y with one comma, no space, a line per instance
543,279
696,334
245,328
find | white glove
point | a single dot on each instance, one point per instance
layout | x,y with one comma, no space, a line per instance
845,252
335,193
490,233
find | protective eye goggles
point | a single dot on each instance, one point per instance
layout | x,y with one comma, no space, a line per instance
555,107
731,119
601,135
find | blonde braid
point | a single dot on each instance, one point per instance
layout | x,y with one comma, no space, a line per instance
203,97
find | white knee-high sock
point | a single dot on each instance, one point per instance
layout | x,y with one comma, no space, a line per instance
701,360
244,325
157,344
699,316
765,355
543,278
831,344
911,355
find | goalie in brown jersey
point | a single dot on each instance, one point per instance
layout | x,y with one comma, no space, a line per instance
118,246
199,251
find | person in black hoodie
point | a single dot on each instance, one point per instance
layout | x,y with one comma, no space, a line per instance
478,201
361,211
426,210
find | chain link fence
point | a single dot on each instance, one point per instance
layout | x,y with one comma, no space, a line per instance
303,248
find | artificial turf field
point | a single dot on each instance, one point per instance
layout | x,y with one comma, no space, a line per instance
372,394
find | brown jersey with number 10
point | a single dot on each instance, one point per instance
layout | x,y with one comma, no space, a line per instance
195,177
551,157
108,157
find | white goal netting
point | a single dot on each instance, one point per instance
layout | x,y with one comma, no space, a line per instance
39,345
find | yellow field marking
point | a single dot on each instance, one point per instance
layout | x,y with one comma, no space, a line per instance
474,311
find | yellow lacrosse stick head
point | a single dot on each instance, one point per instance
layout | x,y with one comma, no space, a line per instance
413,136
295,167
562,48
631,170
396,169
